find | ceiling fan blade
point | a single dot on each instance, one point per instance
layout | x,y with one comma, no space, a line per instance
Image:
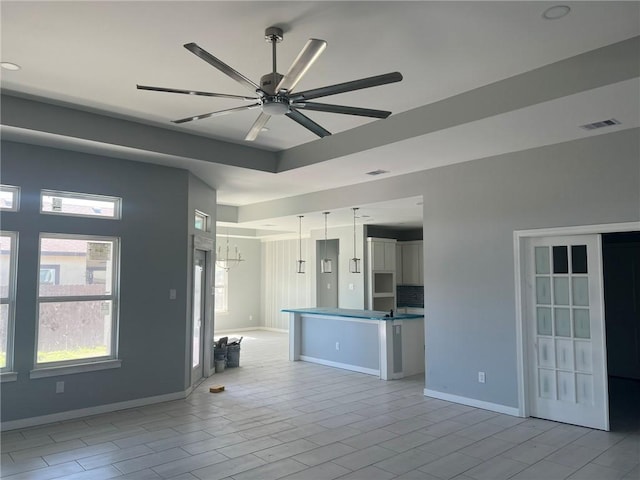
347,86
307,123
325,107
193,92
257,126
223,67
217,113
307,56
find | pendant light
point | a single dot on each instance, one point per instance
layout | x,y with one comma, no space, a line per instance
301,263
227,261
354,263
325,263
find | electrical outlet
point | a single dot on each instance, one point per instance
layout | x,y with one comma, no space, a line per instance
337,345
172,294
250,317
328,286
352,286
481,377
59,387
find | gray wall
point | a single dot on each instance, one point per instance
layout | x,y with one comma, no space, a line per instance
327,283
358,341
154,246
470,213
244,285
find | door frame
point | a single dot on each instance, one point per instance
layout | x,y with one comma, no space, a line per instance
520,257
207,245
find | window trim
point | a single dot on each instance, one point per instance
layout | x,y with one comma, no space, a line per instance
11,301
114,297
117,201
206,221
16,198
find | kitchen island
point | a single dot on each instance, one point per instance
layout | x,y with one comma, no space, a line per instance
364,341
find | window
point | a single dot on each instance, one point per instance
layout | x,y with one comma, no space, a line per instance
201,221
80,204
9,198
8,247
221,290
77,299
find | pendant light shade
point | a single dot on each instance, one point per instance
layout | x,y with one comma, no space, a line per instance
354,263
325,263
300,263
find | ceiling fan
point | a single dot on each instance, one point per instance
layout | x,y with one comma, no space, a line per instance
275,96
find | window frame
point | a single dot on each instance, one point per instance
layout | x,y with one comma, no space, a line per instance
114,297
117,201
225,288
16,198
10,300
206,220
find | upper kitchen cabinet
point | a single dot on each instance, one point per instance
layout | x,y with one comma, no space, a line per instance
411,258
382,254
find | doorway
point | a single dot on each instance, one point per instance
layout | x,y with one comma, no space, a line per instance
557,364
198,315
621,271
327,283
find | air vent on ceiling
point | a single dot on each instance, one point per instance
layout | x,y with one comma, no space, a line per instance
601,124
377,172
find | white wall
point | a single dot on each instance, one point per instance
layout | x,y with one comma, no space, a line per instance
283,287
244,286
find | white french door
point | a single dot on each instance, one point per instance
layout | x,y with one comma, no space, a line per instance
566,350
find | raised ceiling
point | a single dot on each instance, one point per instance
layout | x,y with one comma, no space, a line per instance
90,55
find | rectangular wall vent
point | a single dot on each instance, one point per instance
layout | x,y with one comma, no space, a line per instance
601,124
377,172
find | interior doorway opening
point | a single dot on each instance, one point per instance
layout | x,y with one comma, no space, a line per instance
621,273
327,283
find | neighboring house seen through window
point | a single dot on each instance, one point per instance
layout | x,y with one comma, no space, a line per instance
77,299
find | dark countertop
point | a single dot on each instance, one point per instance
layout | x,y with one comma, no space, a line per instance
349,313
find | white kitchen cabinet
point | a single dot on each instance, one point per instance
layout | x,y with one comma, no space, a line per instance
381,274
382,254
411,258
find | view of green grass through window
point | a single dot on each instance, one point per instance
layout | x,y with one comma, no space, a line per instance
76,298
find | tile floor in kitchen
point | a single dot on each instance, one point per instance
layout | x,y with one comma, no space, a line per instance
283,420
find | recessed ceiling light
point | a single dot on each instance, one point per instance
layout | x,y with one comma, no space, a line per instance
556,12
10,66
264,129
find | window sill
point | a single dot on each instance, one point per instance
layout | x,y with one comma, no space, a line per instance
8,377
72,369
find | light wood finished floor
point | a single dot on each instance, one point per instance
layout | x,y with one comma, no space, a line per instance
283,420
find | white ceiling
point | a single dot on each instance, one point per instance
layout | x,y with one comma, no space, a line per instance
92,54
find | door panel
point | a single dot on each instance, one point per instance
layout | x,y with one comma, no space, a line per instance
198,314
565,323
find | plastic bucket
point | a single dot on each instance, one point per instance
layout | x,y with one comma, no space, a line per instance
219,365
233,356
220,353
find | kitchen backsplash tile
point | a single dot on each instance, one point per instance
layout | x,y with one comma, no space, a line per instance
410,296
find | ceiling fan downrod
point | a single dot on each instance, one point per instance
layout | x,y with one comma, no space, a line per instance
273,103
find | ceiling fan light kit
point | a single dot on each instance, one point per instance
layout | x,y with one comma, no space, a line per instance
275,97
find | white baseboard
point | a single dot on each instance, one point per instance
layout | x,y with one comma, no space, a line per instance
472,402
248,329
97,410
344,366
